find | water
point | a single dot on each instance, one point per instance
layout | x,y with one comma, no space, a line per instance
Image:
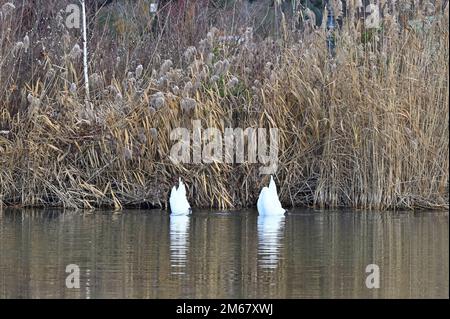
146,254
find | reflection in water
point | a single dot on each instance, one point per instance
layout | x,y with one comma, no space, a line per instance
223,255
270,240
88,283
179,239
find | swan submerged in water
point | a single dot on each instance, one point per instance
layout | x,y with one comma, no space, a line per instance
179,204
268,201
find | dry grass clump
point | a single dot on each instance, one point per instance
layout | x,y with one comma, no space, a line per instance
365,129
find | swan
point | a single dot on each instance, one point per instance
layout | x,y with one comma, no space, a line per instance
268,201
179,204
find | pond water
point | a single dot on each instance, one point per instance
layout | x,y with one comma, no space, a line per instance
147,254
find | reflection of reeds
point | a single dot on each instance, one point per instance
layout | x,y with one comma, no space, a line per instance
368,129
322,255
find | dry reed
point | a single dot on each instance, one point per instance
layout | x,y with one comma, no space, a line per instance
367,129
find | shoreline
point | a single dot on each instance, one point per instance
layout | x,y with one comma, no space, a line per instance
203,210
163,206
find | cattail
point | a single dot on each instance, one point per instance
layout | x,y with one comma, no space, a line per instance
18,46
142,138
339,8
233,82
188,104
163,81
248,35
273,78
218,68
203,45
95,80
170,97
51,73
176,90
33,100
76,52
165,67
156,59
174,75
187,89
203,75
190,53
429,9
139,70
404,6
34,104
197,83
268,68
211,35
210,38
360,49
112,89
210,58
157,100
311,18
26,43
8,7
226,66
131,81
73,88
154,132
127,154
60,20
214,79
196,66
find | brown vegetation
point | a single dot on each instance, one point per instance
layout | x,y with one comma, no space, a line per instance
365,129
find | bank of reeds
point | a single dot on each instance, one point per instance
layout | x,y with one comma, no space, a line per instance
366,129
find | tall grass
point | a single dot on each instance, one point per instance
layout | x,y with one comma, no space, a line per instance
366,129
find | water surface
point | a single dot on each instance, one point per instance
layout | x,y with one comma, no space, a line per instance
147,254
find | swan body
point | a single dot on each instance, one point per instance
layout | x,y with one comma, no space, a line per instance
179,204
268,201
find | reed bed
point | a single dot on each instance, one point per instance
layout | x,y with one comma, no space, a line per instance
365,129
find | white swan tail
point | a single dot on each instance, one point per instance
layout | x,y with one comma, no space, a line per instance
179,204
268,201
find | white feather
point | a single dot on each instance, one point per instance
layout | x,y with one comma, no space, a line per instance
179,204
268,201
